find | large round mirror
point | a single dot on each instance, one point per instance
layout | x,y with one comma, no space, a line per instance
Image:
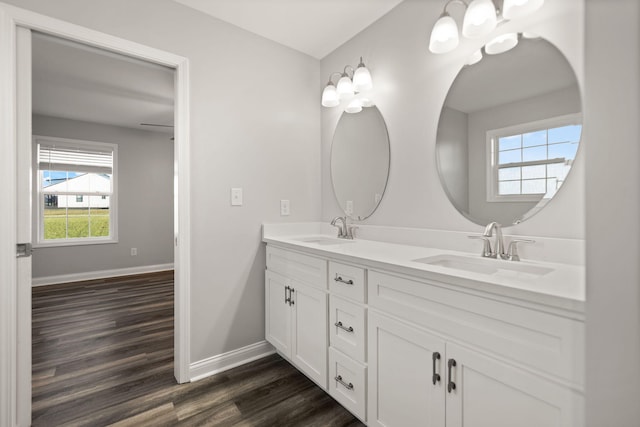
360,162
509,132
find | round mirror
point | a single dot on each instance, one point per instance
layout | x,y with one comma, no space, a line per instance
360,162
508,133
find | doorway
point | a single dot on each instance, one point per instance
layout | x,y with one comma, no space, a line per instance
16,169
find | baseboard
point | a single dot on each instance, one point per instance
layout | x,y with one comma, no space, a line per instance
222,362
102,274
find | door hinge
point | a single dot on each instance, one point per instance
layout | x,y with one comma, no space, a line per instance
23,250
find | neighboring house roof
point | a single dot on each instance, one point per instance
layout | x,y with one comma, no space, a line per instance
93,181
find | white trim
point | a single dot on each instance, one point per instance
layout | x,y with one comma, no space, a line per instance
12,311
231,359
101,274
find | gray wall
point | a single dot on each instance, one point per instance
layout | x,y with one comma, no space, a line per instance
254,124
453,156
145,201
410,86
613,212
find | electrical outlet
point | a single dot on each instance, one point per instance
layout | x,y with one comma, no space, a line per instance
349,209
236,197
134,251
284,207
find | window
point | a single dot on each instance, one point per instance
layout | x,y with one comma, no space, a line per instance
529,162
76,192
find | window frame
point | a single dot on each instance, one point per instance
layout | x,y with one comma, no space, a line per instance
491,164
40,242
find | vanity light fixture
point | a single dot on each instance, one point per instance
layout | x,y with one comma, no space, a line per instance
501,44
481,17
352,82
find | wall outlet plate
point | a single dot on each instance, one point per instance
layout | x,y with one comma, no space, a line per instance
284,207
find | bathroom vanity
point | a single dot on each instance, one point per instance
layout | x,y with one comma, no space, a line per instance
406,335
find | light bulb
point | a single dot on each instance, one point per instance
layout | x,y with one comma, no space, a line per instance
355,106
518,8
479,19
330,96
501,44
345,87
444,35
362,78
475,57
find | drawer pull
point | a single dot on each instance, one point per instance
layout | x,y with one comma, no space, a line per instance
339,379
291,301
341,280
451,386
287,299
436,377
341,326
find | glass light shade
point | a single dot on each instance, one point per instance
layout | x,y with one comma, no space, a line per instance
518,8
530,35
479,19
501,44
444,35
475,57
362,79
355,106
330,96
367,102
345,87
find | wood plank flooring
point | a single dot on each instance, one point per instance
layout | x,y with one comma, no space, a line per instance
103,355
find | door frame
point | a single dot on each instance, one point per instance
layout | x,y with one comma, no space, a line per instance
15,388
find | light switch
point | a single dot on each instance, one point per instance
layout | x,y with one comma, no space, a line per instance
284,207
236,197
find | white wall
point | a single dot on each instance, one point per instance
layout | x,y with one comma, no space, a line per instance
453,156
546,106
410,86
254,124
613,212
145,201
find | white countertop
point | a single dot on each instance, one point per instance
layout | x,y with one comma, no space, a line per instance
561,288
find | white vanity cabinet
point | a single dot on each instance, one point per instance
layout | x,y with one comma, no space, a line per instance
296,310
401,350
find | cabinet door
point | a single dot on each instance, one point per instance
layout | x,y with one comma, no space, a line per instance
309,338
277,313
489,392
401,389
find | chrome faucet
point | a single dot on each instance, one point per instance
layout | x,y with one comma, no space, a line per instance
498,244
344,230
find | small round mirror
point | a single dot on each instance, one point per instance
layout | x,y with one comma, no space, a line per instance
509,132
360,162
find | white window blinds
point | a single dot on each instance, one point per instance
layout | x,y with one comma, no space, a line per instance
56,157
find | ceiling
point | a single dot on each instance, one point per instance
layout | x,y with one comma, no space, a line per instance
79,82
315,27
532,68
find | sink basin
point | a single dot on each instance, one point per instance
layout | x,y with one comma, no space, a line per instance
324,240
486,265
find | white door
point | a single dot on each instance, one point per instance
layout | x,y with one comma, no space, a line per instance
309,340
402,373
277,313
24,181
492,393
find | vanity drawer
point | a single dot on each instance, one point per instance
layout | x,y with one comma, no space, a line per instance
348,328
538,339
293,265
347,281
347,383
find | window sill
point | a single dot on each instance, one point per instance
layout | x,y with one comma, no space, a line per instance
80,242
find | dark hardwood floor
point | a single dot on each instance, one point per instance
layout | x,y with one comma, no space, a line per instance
103,355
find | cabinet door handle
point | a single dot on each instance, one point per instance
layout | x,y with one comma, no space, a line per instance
341,280
436,377
339,379
291,301
341,326
287,299
451,386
